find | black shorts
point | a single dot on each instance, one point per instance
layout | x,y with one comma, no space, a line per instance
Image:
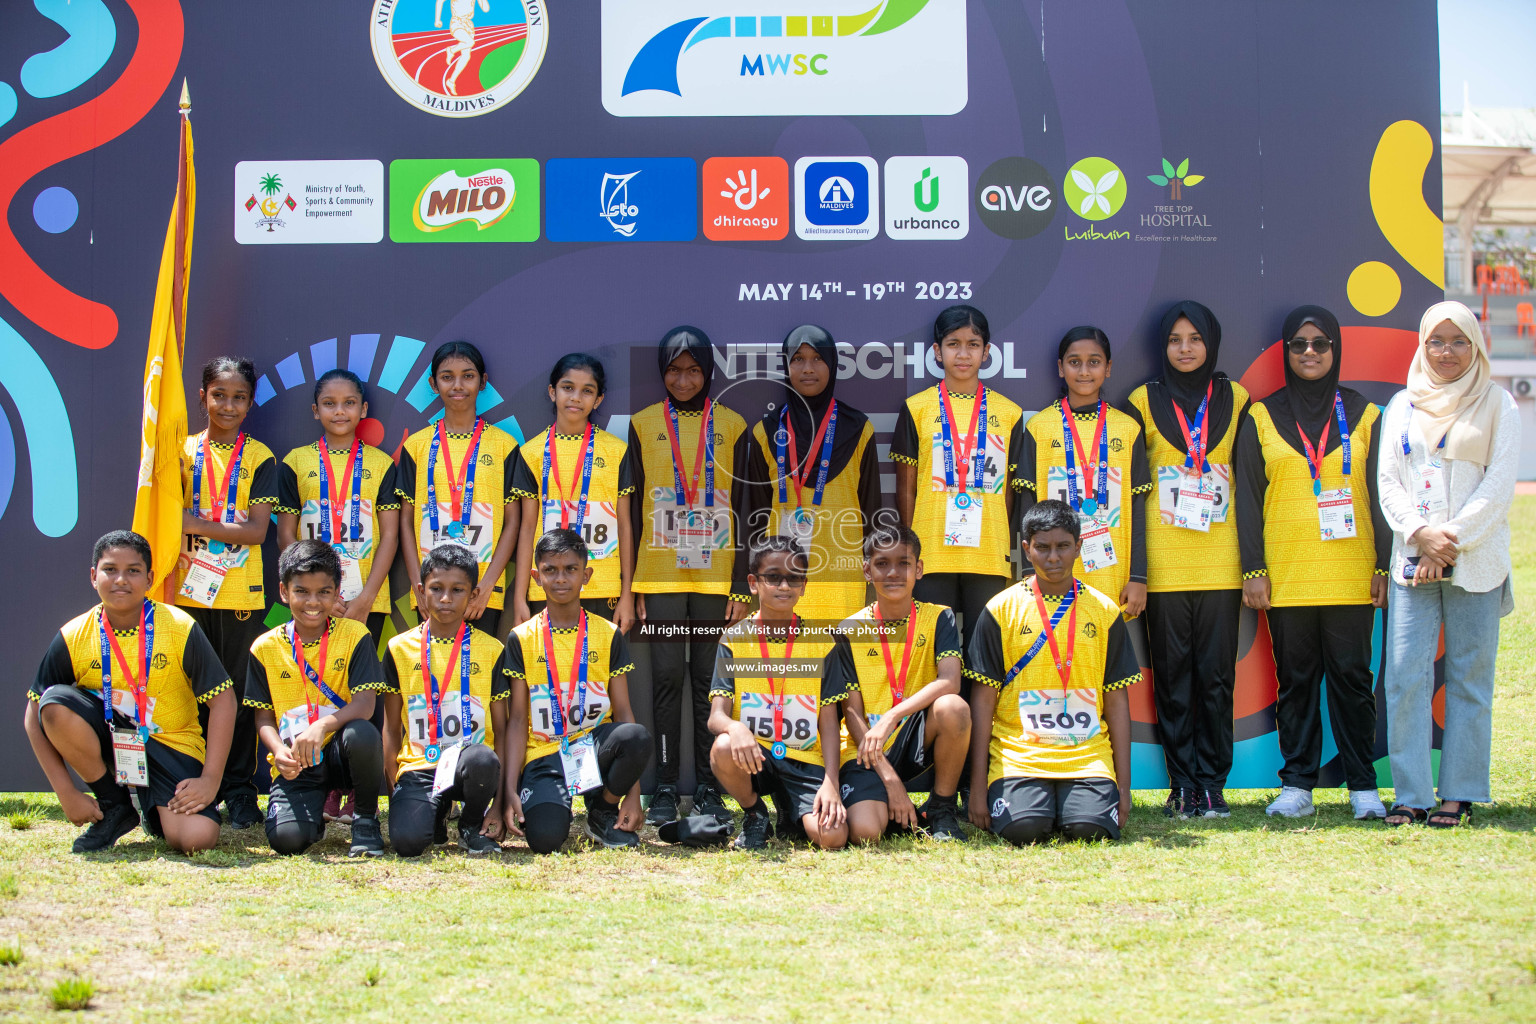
543,779
908,754
1062,801
168,768
302,798
793,782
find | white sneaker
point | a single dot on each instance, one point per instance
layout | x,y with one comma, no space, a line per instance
1291,803
1367,804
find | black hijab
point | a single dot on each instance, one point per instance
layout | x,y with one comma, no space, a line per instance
805,412
1187,388
1309,403
694,342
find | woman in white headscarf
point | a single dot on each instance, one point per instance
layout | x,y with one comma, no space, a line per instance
1446,475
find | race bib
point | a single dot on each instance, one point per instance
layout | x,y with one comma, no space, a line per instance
130,763
1107,513
476,538
351,552
1336,514
599,527
295,720
1051,718
799,728
1098,551
540,720
962,520
667,517
451,728
579,761
992,475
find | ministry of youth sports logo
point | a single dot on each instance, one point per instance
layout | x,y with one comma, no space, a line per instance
458,58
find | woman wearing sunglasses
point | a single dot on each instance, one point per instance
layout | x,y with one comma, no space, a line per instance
1451,443
1315,551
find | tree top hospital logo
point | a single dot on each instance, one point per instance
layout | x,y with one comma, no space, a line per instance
458,58
729,58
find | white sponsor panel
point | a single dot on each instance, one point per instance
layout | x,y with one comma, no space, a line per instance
837,198
308,202
927,197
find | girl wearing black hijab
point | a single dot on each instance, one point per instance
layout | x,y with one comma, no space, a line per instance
685,539
1189,417
1315,552
808,471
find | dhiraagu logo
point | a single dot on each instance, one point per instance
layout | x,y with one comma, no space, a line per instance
828,57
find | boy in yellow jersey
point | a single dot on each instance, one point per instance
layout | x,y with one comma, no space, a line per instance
773,713
1051,724
445,715
905,726
956,472
117,698
311,681
571,730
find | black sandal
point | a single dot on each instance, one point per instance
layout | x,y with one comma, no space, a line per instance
1415,815
1451,819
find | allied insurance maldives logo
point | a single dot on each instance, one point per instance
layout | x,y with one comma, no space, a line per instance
458,58
730,58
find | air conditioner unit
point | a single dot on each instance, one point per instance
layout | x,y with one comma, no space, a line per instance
1523,387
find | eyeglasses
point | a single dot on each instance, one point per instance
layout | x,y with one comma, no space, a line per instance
773,579
1461,346
1319,345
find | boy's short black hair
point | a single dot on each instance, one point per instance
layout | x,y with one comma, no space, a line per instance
768,545
889,537
123,539
450,556
309,556
1050,515
558,542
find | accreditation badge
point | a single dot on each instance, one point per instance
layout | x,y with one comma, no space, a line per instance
205,576
351,570
129,759
1184,501
1336,514
578,758
962,520
695,538
447,769
1429,493
1098,549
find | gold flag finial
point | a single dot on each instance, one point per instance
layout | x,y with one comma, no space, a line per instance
186,97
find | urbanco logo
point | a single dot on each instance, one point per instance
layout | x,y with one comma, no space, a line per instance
836,57
1015,197
474,60
927,197
464,200
746,199
1094,188
838,198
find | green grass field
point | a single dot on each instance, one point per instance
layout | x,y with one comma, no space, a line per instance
1250,919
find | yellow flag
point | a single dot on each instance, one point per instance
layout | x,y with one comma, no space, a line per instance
157,502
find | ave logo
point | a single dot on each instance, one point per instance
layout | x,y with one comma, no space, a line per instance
927,197
746,199
1015,198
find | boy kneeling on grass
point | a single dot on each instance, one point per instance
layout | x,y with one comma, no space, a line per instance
116,699
1051,727
771,693
317,672
445,712
571,670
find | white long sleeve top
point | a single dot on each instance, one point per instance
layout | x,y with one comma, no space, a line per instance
1478,497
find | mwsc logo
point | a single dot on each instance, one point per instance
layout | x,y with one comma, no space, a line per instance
730,59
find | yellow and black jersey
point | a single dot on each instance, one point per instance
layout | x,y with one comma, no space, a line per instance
403,676
1177,558
804,687
1279,532
242,589
655,509
600,523
858,659
919,442
184,672
493,491
607,659
1042,728
298,494
1043,474
274,681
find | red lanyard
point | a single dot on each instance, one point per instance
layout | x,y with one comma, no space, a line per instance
139,686
334,486
1316,455
898,683
426,672
1063,668
218,496
777,699
298,659
1082,453
549,658
690,495
962,454
802,474
456,481
554,472
1205,432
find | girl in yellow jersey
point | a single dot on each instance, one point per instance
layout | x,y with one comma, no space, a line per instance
1315,552
956,473
682,455
229,484
808,471
1081,451
456,479
575,476
1189,417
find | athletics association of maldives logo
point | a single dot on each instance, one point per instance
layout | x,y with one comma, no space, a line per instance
458,58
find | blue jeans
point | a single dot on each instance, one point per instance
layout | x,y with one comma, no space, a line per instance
1471,621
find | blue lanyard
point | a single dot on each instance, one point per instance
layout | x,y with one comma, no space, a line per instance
436,695
232,476
147,642
586,477
709,456
1029,656
579,711
1408,420
979,456
355,518
309,670
782,438
1101,479
466,506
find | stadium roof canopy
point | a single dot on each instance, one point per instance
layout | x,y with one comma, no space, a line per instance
1488,163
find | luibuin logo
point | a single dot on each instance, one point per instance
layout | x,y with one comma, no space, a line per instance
1094,189
1176,178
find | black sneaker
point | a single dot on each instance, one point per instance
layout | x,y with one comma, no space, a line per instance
367,841
706,800
117,820
663,806
243,810
603,827
756,828
1209,803
473,843
942,818
1180,803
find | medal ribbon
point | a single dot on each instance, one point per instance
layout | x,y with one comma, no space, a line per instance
552,462
898,683
705,456
1063,669
824,436
1074,444
221,499
316,678
330,501
777,699
577,700
974,443
1195,441
139,686
429,686
461,485
1067,602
